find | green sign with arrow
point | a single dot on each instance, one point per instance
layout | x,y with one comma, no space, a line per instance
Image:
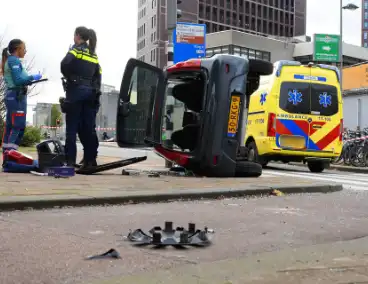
326,48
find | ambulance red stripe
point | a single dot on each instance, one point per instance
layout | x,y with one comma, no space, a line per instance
329,138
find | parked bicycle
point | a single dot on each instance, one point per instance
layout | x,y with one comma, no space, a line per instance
355,149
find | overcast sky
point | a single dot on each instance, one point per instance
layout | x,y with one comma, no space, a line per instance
48,32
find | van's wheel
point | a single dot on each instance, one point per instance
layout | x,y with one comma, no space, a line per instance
316,166
260,67
253,155
248,169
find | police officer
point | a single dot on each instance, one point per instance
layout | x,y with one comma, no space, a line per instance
81,69
81,133
16,81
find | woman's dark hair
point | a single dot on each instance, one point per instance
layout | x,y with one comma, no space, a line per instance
12,47
88,35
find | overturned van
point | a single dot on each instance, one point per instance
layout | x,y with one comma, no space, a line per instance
193,111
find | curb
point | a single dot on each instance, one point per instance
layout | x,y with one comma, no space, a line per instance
161,197
339,168
349,169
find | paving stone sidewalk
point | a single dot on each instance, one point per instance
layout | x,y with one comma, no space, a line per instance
27,190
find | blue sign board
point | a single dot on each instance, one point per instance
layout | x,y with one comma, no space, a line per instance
189,41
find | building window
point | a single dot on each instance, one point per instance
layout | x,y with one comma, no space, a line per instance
365,15
141,44
366,5
365,44
365,35
366,25
153,55
239,51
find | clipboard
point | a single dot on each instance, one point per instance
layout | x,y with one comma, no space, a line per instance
38,81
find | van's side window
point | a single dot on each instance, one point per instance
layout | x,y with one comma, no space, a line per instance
295,97
324,99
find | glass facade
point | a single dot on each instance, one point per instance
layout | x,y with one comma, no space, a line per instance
240,51
348,61
365,23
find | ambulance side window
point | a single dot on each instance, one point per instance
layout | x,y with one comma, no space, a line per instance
295,97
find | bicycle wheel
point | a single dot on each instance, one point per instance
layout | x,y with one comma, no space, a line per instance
356,157
346,155
339,160
365,156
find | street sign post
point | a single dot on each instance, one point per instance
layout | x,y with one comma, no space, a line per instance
189,41
326,47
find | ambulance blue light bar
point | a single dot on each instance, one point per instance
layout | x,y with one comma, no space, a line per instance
333,68
283,63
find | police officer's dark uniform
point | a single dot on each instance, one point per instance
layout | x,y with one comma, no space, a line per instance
82,73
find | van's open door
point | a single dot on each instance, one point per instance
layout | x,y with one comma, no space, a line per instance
139,110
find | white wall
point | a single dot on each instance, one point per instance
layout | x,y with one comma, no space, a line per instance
356,111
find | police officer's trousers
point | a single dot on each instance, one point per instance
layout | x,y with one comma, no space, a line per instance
82,137
16,112
80,117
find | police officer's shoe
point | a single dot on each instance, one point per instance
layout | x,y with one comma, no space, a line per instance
80,164
87,168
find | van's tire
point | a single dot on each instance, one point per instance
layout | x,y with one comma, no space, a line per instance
316,166
247,169
261,67
253,155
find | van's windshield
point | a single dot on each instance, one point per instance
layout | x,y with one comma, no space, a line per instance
309,98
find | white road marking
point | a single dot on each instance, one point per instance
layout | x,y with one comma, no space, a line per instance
348,180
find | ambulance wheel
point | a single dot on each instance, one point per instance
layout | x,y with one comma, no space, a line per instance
253,155
247,169
260,67
316,166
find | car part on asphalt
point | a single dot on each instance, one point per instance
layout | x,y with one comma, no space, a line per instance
247,169
113,165
169,236
111,253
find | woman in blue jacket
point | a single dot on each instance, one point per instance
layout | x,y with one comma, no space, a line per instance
16,80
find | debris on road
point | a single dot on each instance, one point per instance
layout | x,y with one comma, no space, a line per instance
111,253
170,237
276,192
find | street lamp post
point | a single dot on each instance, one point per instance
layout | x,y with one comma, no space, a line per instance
350,7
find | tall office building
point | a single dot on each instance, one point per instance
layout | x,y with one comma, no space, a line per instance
365,23
262,17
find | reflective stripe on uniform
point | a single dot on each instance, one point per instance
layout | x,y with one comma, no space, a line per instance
100,70
84,56
17,114
10,146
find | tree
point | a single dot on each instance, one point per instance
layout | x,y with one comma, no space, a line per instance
55,116
32,135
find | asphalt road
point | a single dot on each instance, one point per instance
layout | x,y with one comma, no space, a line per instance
350,181
50,246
